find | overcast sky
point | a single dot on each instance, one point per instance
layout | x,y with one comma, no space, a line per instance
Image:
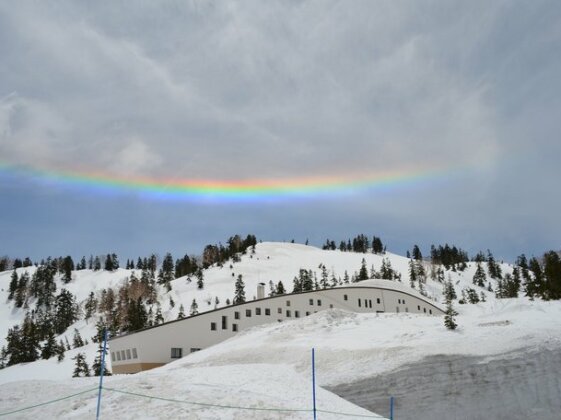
282,89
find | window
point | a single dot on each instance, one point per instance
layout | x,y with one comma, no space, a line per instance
319,302
430,311
123,355
134,354
194,349
399,301
331,306
213,326
403,301
425,310
235,327
297,314
236,315
176,353
345,297
224,322
370,303
267,311
307,313
279,310
248,313
359,303
287,303
419,307
129,354
118,354
112,356
312,302
257,311
288,313
378,300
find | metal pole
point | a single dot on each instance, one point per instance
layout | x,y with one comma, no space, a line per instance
314,381
391,408
101,373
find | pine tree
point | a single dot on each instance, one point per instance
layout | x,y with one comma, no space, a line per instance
181,313
81,367
363,273
13,285
77,339
200,279
50,347
280,288
67,268
239,294
60,350
479,277
158,318
412,273
96,365
324,282
450,314
194,310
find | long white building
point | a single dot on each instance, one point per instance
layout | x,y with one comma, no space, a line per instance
156,346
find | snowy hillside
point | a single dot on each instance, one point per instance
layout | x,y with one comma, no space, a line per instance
269,366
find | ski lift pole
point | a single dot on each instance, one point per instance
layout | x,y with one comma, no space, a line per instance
101,373
314,381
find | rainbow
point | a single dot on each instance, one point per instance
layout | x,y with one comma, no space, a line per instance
222,190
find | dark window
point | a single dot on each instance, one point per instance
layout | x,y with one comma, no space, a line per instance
279,310
403,301
224,322
419,307
307,313
176,353
118,354
399,301
345,297
331,306
236,315
267,311
297,314
378,300
213,326
129,354
319,302
430,311
113,356
123,355
194,349
235,327
359,303
257,311
288,313
287,303
248,313
425,310
311,302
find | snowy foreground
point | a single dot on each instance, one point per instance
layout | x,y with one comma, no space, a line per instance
270,366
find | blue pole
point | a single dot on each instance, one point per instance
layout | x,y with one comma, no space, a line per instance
314,380
391,408
101,373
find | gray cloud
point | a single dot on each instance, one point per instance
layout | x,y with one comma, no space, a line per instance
286,89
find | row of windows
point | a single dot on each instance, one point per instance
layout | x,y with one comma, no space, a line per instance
128,354
177,352
367,303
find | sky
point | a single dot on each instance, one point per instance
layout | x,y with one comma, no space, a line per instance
437,121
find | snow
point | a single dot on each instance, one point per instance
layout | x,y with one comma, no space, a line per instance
270,365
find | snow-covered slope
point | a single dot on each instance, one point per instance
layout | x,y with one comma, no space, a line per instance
269,366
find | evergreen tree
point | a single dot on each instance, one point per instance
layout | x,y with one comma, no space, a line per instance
552,274
13,285
280,288
450,314
77,339
200,279
50,347
479,278
417,256
60,351
194,310
324,282
239,294
412,273
167,273
66,311
96,365
136,315
363,273
67,268
90,306
97,264
181,313
449,292
81,367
